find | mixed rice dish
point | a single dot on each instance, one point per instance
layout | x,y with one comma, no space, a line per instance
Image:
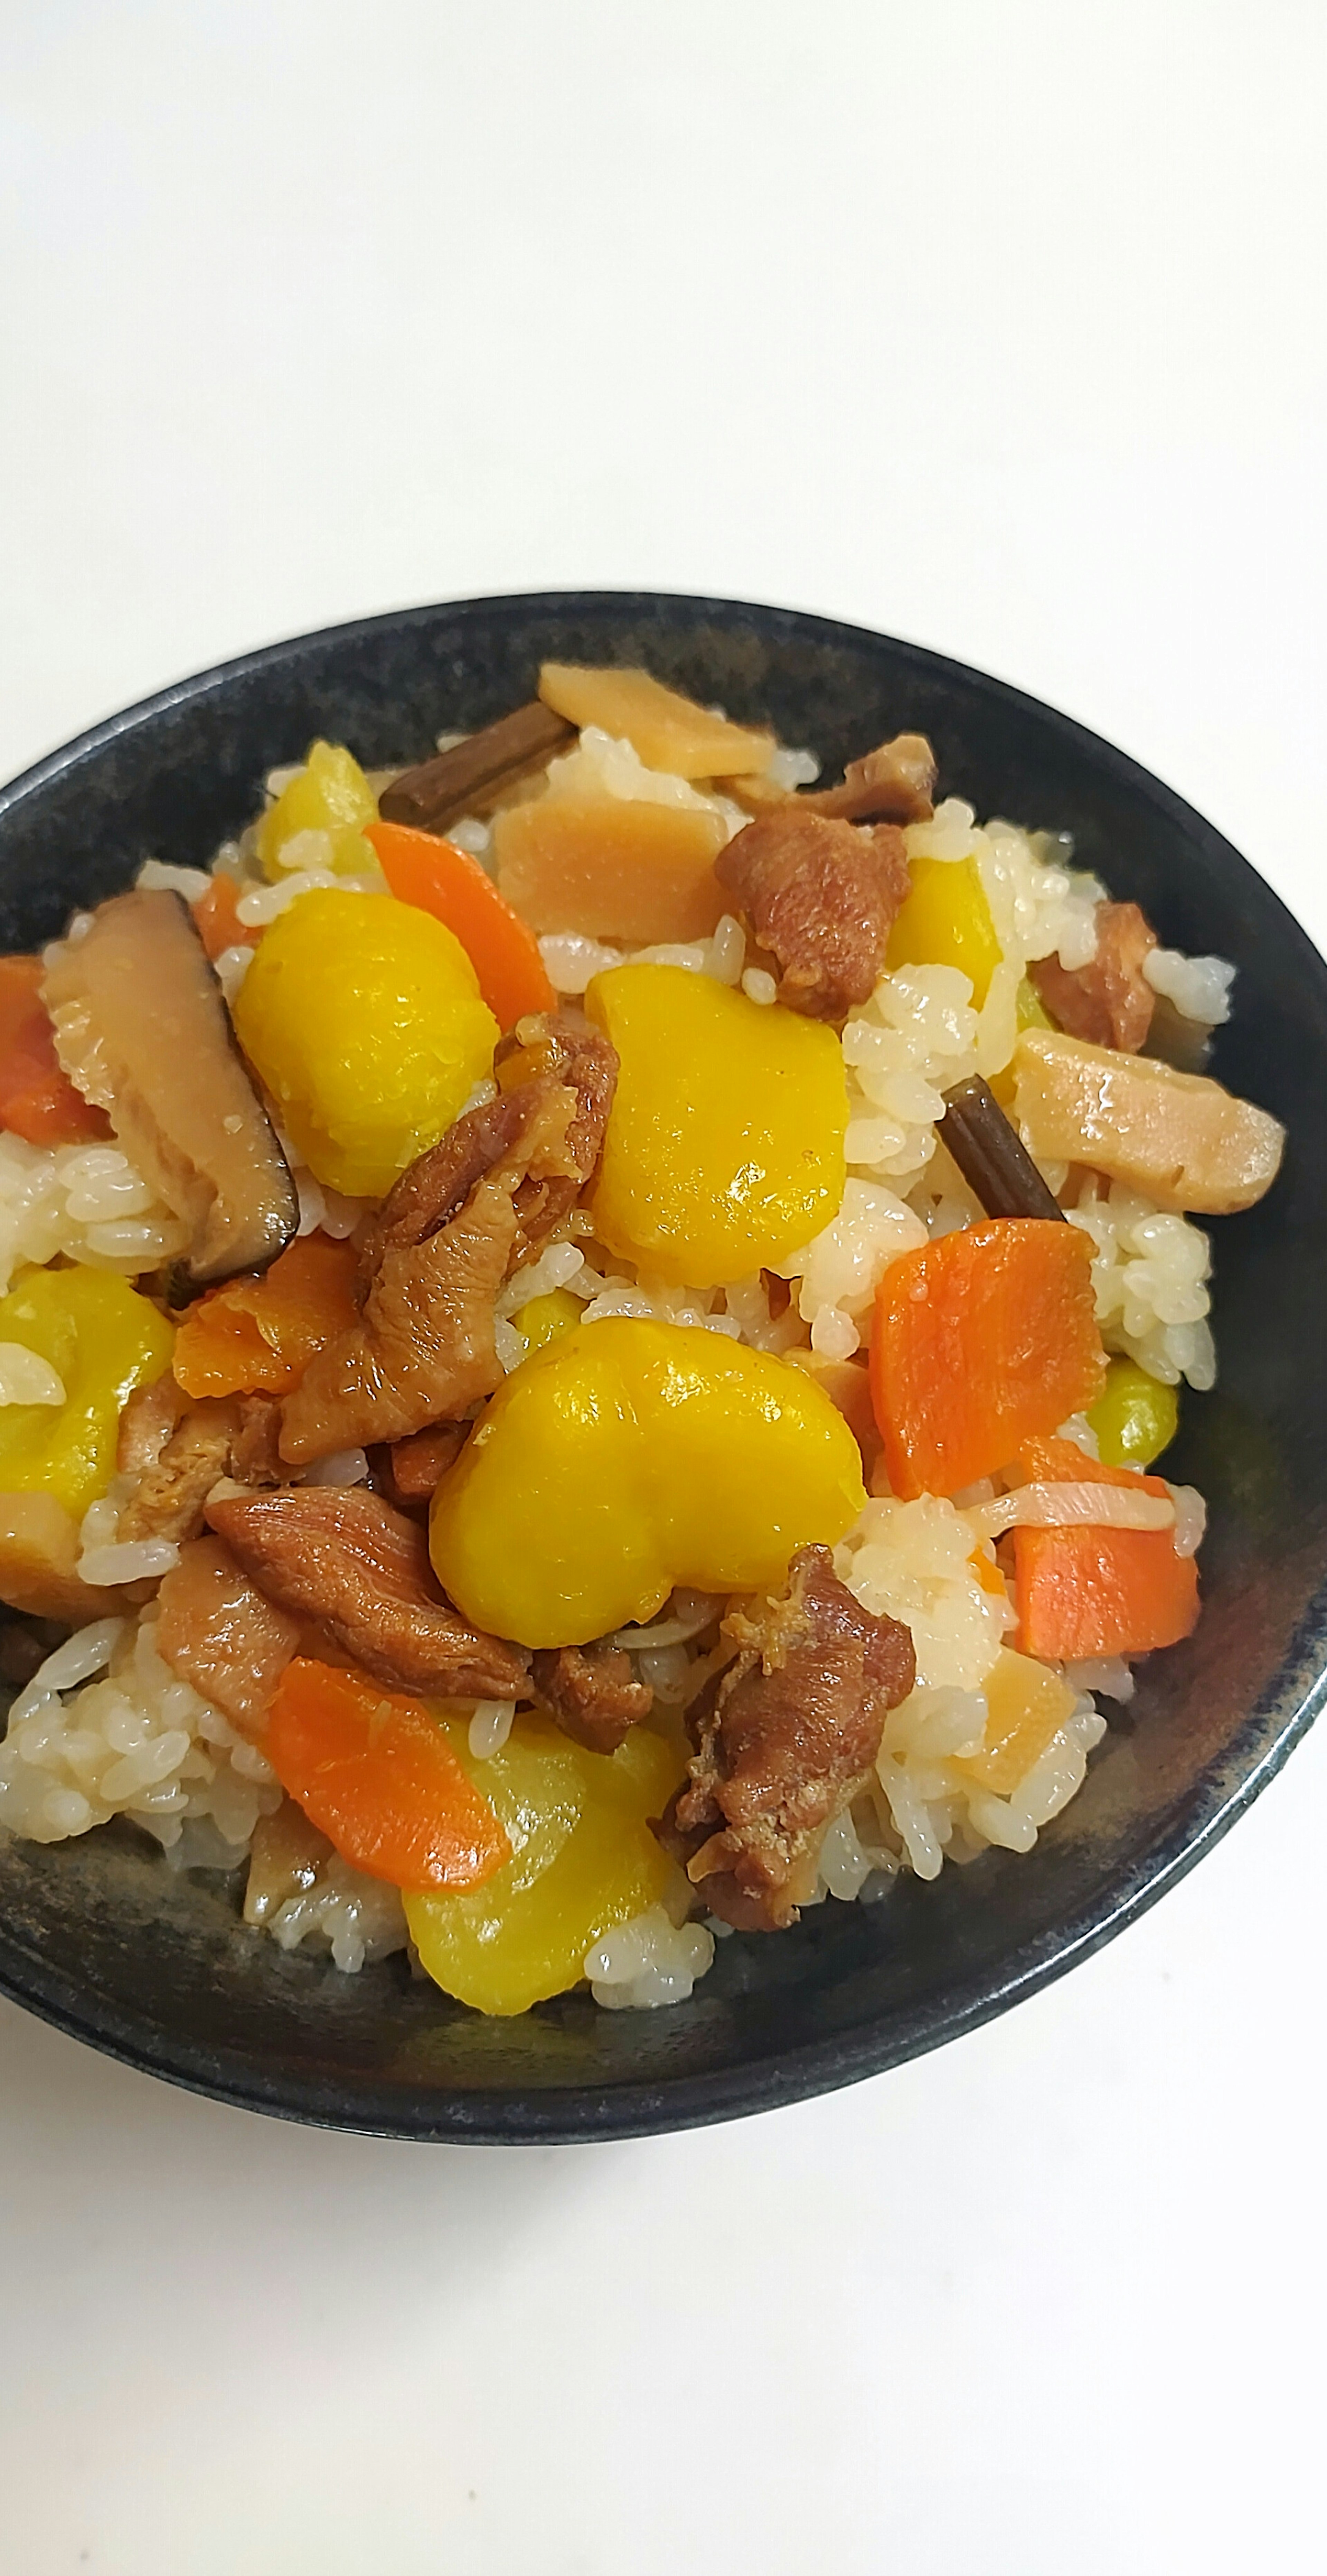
585,1331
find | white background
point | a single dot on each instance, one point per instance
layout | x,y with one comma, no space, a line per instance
994,326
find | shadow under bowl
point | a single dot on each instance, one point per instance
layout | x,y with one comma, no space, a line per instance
156,1968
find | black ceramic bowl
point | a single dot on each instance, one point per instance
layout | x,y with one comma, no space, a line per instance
100,1937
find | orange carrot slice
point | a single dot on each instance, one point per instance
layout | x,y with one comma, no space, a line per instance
1098,1591
217,921
982,1341
379,1777
258,1335
37,1098
437,877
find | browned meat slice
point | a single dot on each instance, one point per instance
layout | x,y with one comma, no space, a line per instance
218,1631
785,1740
896,782
443,1242
415,1466
893,784
342,1557
148,1419
560,1047
255,1457
821,897
1110,1001
172,1488
591,1692
423,1348
437,1184
177,1449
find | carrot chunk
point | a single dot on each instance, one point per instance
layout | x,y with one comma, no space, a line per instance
982,1341
217,920
1086,1592
37,1099
436,877
377,1774
258,1335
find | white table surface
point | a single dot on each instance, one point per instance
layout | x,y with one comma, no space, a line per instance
997,326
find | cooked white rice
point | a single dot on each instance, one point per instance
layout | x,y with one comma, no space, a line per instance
86,1201
357,1918
139,1743
1150,1272
105,1728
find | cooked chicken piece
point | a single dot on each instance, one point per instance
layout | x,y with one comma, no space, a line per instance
146,1424
821,896
255,1457
894,784
1109,1001
173,1487
415,1467
342,1557
444,1240
218,1631
1178,1138
423,1349
786,1737
592,1693
559,1047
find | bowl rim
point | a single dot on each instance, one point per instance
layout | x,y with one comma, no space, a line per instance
583,2113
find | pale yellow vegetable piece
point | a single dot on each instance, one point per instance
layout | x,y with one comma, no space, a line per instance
667,730
1179,1138
542,1319
330,794
611,868
1026,1705
583,1860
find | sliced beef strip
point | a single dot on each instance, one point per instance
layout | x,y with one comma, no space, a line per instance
345,1559
1109,1002
457,1222
785,1739
821,897
218,1631
592,1693
413,1468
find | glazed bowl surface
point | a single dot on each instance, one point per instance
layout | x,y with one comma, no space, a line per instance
103,1939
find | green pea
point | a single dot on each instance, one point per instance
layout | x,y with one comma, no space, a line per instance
1136,1418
